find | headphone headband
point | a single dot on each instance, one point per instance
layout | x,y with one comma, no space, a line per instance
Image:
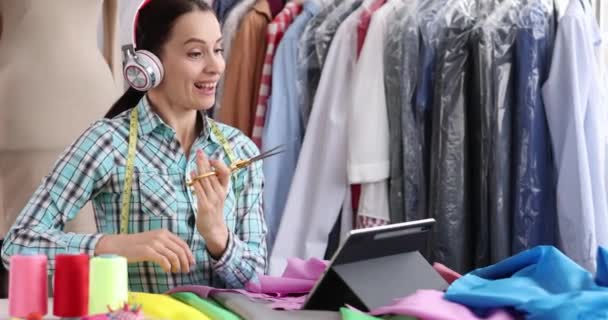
136,19
142,70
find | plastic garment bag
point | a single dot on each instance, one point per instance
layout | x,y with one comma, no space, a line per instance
401,67
309,67
534,210
449,171
413,161
427,13
491,126
326,31
392,84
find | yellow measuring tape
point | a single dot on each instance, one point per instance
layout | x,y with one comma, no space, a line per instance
126,195
223,141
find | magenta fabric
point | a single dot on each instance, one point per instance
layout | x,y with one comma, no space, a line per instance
430,305
287,292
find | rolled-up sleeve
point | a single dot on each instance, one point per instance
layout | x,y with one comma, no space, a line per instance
245,256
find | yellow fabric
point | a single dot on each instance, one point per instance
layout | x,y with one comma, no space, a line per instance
162,306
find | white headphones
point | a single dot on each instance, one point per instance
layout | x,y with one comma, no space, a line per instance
142,69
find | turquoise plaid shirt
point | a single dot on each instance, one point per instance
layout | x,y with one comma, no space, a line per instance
93,168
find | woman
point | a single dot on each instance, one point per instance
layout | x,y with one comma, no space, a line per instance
210,234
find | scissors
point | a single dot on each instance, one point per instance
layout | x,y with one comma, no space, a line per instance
240,164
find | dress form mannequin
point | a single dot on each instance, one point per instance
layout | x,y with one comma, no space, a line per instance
54,82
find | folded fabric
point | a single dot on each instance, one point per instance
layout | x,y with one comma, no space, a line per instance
284,303
164,307
207,306
350,314
299,277
541,283
430,305
287,292
254,309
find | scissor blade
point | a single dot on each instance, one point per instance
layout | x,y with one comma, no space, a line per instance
274,151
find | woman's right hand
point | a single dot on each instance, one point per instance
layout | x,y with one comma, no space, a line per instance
160,246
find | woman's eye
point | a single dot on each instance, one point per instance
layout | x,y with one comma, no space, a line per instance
219,51
194,54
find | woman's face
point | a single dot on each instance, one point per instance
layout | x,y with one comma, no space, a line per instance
193,61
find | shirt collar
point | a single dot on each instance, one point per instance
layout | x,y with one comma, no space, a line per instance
149,121
263,8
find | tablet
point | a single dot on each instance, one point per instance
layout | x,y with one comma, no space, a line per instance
375,265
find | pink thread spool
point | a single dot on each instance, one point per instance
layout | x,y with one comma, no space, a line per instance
27,291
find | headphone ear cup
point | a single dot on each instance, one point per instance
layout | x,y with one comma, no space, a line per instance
144,71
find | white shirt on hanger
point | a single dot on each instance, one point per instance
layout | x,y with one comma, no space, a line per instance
320,185
576,114
368,131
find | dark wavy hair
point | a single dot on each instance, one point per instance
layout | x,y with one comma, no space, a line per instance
154,24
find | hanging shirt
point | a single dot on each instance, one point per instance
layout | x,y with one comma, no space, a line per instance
320,182
229,29
94,168
274,34
244,69
576,109
368,133
535,214
284,123
364,21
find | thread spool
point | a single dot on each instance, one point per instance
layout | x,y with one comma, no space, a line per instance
108,283
28,285
71,286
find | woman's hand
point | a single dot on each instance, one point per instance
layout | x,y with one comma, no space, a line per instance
211,194
160,246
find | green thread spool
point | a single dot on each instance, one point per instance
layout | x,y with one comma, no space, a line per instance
108,283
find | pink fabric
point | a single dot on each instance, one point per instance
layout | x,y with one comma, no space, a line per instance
287,292
446,273
276,30
430,305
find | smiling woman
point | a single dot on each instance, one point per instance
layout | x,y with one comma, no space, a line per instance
133,165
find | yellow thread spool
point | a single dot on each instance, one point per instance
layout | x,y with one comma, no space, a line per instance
108,283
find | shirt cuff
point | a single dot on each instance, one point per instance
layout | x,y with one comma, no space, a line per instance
83,243
368,173
222,263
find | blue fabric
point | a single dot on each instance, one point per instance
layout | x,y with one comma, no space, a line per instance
534,207
284,123
542,283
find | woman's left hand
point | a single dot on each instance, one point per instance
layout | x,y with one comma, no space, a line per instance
211,194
